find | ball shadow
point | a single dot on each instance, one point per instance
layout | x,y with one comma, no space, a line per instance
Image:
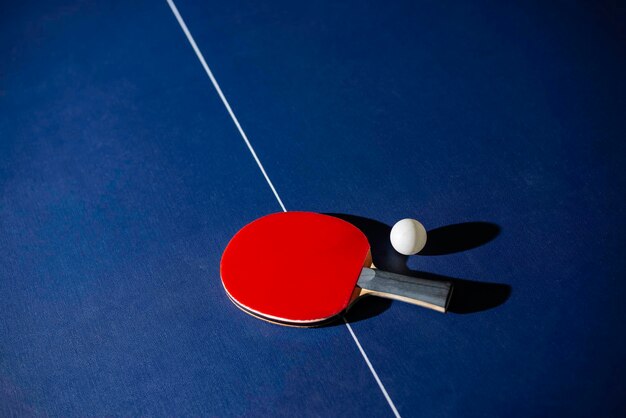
469,296
455,238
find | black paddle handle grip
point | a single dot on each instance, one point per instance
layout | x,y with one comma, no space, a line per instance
423,292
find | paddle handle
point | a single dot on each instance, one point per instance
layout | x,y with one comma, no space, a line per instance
427,293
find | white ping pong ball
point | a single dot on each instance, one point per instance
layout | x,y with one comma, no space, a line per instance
408,236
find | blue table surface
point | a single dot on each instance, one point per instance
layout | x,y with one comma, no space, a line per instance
500,125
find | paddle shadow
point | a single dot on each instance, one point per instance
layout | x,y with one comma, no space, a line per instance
469,296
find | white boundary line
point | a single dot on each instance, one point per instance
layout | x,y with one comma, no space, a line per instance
183,26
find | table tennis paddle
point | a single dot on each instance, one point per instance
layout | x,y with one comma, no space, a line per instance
305,268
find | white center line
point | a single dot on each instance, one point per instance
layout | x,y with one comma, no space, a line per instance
183,26
369,364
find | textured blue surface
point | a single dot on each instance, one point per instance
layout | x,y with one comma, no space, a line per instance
122,178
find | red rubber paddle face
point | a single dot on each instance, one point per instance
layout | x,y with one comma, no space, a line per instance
294,267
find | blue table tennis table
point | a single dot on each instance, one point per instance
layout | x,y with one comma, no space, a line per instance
137,137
